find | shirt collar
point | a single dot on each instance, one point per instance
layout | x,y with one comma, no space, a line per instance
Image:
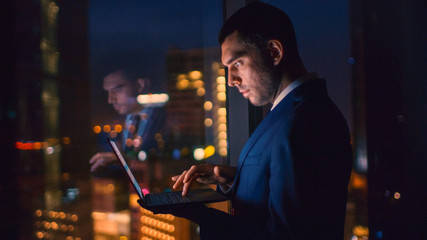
304,78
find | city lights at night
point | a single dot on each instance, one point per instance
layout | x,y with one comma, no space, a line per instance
172,106
34,145
151,99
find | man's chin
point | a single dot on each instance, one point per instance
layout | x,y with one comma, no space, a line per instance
258,102
121,111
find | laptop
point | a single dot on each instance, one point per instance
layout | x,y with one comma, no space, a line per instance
166,198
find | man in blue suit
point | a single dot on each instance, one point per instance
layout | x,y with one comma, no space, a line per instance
292,175
142,122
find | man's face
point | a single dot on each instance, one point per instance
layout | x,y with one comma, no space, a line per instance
247,71
121,93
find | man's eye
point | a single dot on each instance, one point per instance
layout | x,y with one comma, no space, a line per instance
117,90
238,64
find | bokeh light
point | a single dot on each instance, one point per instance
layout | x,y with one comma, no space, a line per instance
397,195
220,80
199,154
221,96
106,128
198,83
209,151
66,140
142,156
37,146
49,150
176,154
222,111
201,92
118,128
208,122
208,105
195,75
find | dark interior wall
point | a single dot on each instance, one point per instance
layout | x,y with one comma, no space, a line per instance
8,190
389,82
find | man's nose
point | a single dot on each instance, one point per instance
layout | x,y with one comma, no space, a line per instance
233,80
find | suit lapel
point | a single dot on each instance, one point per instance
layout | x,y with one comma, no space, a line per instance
284,106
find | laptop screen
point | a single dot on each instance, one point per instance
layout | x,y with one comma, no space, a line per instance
126,167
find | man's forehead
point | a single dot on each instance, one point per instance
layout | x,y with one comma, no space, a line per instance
223,55
113,80
230,47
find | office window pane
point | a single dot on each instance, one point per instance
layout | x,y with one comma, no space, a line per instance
171,47
144,73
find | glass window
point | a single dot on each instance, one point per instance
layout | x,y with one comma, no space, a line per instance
145,73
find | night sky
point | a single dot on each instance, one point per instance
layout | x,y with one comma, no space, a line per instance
141,31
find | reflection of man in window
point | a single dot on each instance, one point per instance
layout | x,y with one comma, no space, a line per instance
142,122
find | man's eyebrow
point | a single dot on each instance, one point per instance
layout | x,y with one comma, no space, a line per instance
235,56
118,86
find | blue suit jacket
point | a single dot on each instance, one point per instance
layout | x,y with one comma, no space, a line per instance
292,175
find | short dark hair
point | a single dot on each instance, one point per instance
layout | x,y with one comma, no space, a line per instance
132,74
257,23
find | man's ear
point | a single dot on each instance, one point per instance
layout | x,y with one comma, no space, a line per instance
276,50
141,82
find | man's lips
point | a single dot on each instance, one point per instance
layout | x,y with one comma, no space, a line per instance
244,92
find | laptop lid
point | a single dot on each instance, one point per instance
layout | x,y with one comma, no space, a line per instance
126,167
151,201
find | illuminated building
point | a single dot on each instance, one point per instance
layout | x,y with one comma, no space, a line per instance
45,129
197,121
197,90
146,225
56,225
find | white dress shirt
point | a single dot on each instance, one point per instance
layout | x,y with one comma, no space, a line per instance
304,78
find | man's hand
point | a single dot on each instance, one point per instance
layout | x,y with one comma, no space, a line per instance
101,159
204,173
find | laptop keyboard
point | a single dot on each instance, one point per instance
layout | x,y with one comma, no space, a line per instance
167,198
199,195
